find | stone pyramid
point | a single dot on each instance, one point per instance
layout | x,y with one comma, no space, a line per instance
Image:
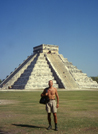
47,64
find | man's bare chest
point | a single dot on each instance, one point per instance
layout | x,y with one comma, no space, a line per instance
51,91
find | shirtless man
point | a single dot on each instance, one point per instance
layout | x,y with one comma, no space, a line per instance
51,106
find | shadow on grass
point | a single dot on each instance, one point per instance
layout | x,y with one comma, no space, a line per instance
2,132
25,125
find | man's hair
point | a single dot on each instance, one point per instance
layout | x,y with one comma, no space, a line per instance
51,80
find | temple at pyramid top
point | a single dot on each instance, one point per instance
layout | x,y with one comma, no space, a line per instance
46,48
43,65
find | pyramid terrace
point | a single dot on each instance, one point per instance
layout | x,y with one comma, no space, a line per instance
47,64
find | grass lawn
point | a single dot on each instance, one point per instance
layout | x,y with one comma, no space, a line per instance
21,113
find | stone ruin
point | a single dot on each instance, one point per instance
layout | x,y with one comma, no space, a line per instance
47,64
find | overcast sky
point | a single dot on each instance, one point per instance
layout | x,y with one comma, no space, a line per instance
70,24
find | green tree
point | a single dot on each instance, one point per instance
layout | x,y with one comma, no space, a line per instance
95,79
0,80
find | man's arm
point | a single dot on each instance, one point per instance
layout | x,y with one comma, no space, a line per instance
44,93
56,93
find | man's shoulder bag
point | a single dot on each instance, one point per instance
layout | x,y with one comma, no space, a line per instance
44,100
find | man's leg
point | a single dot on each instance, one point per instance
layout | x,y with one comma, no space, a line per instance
49,118
55,117
55,121
49,121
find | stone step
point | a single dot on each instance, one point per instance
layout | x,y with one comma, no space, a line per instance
33,86
36,77
38,87
40,66
41,73
34,81
41,69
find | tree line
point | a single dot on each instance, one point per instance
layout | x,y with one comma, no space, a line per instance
95,79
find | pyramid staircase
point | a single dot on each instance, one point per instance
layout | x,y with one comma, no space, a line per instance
62,71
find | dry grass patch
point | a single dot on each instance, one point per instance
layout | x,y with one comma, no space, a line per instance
5,102
88,114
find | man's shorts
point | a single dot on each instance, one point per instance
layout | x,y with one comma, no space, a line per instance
51,106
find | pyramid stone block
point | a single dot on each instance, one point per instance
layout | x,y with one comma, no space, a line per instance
47,64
